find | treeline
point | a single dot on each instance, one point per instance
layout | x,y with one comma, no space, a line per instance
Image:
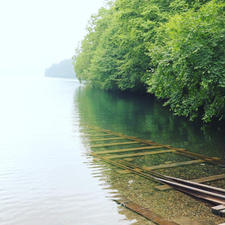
63,69
174,49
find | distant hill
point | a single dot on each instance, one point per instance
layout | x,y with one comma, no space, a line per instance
62,69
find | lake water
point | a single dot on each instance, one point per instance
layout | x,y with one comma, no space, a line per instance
46,175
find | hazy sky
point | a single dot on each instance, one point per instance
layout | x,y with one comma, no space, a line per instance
36,33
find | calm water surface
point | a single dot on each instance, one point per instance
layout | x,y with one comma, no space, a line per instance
46,176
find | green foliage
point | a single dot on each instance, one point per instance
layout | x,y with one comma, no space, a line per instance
113,54
172,48
189,60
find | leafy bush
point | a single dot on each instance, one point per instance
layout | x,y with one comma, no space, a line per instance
189,62
174,48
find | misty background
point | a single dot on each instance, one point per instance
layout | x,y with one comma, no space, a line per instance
37,34
63,69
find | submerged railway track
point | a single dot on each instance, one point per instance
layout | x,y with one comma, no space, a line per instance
117,157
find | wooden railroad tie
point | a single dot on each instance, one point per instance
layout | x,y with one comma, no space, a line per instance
114,144
144,212
127,149
219,210
98,135
107,139
125,136
163,166
139,154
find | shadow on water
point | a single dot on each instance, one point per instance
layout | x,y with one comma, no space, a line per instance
145,117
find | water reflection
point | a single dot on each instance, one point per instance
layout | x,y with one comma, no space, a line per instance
44,175
145,118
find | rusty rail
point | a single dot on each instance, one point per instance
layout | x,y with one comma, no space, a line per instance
144,212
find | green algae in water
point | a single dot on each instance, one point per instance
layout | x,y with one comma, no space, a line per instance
196,171
165,158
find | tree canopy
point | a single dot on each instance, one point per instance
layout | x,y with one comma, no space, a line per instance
174,49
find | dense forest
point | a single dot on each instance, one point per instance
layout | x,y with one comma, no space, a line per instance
173,49
63,69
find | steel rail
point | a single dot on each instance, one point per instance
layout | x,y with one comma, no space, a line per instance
210,196
197,185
